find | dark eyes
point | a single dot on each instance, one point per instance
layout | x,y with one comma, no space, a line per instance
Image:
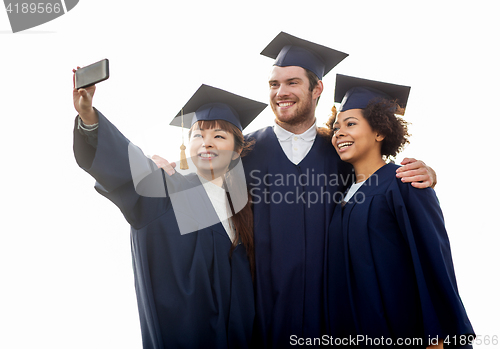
275,84
349,124
217,136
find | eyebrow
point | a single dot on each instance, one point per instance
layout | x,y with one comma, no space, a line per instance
287,80
350,117
215,130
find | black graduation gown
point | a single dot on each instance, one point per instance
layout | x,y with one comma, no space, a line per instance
390,272
190,292
292,209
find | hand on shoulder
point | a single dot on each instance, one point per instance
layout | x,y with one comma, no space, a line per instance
417,173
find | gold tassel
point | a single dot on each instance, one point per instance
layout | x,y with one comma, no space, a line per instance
184,163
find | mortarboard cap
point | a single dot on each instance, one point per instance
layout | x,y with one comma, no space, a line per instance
211,103
289,50
357,93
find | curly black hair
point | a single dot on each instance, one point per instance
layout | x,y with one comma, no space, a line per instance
382,118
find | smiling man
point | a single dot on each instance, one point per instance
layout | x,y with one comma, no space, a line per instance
292,99
295,177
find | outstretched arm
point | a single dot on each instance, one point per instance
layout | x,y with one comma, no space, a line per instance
123,173
417,173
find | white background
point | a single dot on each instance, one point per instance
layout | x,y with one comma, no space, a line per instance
65,260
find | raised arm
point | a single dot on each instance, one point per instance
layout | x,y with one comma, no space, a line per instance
122,172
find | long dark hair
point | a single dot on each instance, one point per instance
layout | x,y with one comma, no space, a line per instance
242,220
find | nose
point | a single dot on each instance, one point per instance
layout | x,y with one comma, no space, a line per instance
338,133
208,142
282,91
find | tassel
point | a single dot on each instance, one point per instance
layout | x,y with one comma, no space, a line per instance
184,163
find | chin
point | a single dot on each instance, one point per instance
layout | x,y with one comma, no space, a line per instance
292,119
345,157
213,168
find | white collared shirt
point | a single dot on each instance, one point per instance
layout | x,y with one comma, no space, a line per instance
217,196
295,146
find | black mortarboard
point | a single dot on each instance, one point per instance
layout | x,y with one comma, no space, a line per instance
211,103
289,50
357,93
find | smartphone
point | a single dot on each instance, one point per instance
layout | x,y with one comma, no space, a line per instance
92,74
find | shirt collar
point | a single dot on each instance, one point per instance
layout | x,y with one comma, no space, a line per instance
284,135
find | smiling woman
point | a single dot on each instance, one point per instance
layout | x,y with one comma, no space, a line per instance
213,145
390,271
361,135
192,235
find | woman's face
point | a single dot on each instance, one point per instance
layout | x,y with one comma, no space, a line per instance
211,151
353,137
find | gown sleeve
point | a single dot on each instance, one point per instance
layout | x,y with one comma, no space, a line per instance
421,221
123,173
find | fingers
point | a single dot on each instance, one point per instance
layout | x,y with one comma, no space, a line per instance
416,178
410,173
407,161
410,164
87,93
164,164
421,185
74,80
415,172
84,99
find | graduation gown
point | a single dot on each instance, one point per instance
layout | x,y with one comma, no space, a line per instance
191,293
292,209
390,272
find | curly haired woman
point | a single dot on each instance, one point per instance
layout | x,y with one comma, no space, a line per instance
390,277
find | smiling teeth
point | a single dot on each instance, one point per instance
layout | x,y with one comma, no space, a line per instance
285,104
345,144
207,155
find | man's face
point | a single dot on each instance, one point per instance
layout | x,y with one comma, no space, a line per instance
289,95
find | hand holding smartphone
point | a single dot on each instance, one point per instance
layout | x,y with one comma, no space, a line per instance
92,74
